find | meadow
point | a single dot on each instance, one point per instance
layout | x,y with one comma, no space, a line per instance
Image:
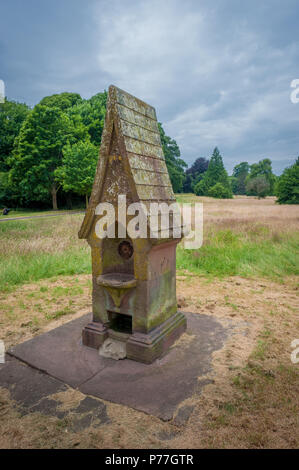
245,274
244,236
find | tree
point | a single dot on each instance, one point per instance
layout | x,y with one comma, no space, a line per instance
262,168
12,115
175,164
63,101
194,174
78,168
287,188
32,142
258,186
239,176
92,113
38,152
215,173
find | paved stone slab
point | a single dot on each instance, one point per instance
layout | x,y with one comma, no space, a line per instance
27,386
60,353
157,389
32,390
90,412
183,415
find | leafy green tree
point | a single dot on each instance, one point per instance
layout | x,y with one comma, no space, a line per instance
175,164
12,115
219,191
195,173
287,188
78,168
216,173
38,152
262,168
92,113
258,186
8,194
63,101
238,181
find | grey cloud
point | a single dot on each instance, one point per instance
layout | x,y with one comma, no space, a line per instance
218,73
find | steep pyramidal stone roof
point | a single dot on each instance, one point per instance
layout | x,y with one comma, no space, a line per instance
134,124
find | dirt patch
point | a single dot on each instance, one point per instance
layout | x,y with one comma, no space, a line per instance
35,308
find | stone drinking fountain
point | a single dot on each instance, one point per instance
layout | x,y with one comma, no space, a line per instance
134,280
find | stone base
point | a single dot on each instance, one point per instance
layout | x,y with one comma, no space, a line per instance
160,389
140,347
94,335
149,347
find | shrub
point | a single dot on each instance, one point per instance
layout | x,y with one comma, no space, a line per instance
258,186
219,191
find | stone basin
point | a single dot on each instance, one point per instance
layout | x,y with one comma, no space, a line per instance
117,284
117,280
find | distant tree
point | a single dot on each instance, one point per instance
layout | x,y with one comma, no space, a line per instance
7,193
219,191
78,168
262,168
38,152
12,115
287,188
215,173
63,101
194,174
258,186
175,164
188,183
238,181
92,113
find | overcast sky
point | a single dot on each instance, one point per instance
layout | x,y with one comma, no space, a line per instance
218,73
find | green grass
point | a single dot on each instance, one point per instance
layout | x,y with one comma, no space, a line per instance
31,250
29,213
18,270
231,254
44,248
187,198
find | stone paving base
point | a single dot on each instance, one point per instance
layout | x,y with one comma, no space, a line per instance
58,357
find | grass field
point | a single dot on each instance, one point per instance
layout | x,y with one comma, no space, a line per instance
245,274
33,213
243,236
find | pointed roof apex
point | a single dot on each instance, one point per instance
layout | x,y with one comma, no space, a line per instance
131,102
133,125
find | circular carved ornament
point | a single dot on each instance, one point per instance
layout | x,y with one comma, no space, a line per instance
125,249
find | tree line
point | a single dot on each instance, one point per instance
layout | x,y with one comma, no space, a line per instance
209,178
49,153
